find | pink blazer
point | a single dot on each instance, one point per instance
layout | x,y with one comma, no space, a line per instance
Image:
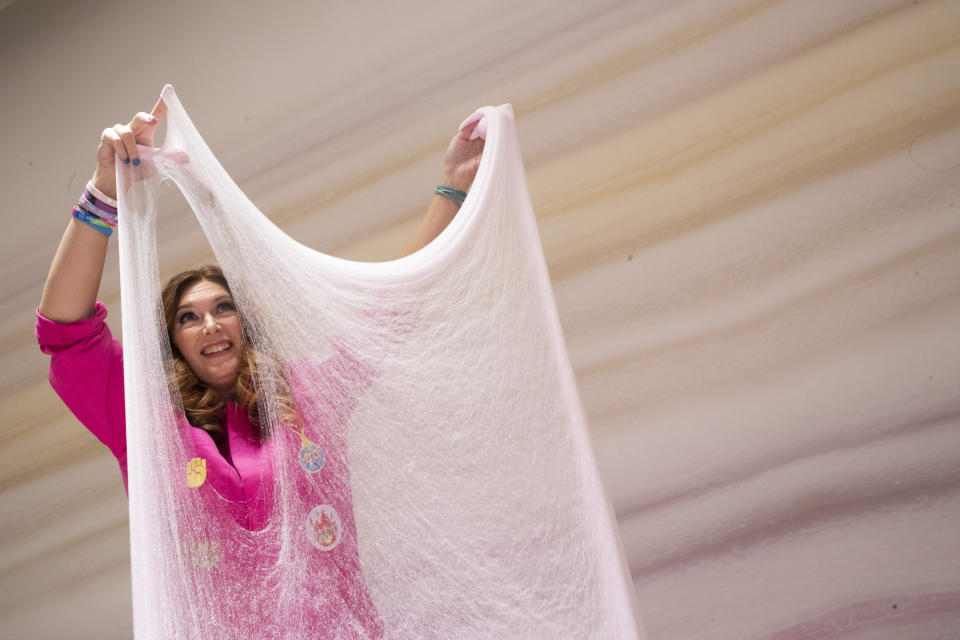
86,371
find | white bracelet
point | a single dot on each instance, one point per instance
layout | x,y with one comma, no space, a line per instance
100,195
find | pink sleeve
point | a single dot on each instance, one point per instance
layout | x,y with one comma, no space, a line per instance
86,371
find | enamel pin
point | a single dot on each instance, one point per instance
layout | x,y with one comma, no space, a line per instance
196,472
323,527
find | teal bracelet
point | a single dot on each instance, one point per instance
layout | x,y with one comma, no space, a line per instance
454,195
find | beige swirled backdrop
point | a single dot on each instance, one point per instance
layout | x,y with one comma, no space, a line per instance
751,215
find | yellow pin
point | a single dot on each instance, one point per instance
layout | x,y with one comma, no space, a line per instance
196,472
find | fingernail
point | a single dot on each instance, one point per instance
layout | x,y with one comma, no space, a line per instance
150,118
136,162
126,161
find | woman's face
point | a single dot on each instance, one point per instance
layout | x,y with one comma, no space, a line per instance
207,332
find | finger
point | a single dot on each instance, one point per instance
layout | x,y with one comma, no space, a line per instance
142,120
472,118
467,131
144,126
159,110
129,141
480,118
111,138
480,131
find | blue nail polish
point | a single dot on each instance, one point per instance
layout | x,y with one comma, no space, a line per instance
126,161
136,162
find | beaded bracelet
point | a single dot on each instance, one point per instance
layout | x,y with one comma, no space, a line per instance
454,195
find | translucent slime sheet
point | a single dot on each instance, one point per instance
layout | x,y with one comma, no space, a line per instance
454,494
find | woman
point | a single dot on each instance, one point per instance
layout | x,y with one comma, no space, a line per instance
210,353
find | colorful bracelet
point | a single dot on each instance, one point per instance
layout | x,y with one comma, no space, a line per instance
93,221
100,195
105,212
454,195
97,210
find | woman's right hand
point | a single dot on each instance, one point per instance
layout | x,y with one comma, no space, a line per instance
120,141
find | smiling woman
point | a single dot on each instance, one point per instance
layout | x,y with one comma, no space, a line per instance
206,330
212,362
211,359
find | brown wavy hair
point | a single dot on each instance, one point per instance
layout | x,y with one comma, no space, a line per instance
204,406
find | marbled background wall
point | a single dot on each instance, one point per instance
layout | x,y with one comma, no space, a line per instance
750,211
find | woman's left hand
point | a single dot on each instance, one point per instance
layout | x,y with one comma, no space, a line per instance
462,159
460,164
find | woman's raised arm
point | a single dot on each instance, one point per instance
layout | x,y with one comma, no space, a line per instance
460,165
70,291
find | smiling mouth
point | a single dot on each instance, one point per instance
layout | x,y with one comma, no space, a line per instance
214,349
